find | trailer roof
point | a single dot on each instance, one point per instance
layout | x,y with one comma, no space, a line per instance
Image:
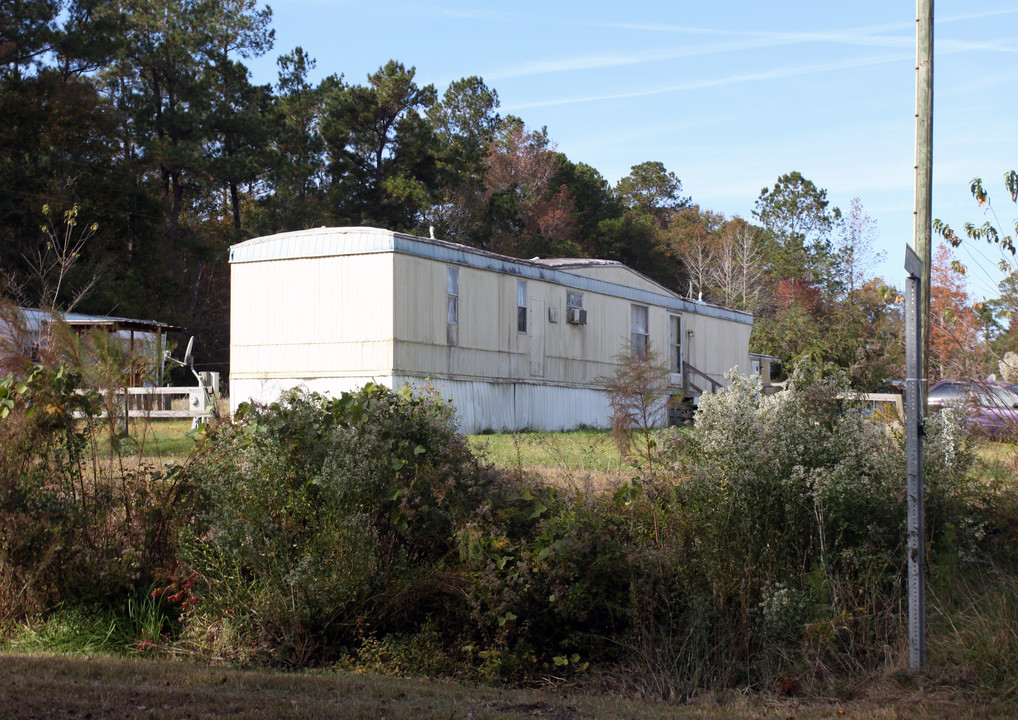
337,241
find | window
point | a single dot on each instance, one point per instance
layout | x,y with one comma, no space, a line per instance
575,314
675,343
521,306
454,295
639,332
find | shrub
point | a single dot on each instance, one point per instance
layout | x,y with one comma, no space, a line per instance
781,546
325,522
767,543
333,528
74,529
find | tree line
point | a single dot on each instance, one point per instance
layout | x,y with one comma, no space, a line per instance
135,126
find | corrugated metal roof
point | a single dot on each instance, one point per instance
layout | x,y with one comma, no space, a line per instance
575,262
328,242
317,242
34,318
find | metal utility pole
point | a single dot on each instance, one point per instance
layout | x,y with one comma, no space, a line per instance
924,165
914,407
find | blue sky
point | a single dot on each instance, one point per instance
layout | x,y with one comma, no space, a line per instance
728,95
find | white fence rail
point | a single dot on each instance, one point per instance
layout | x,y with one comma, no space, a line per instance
143,402
886,405
156,402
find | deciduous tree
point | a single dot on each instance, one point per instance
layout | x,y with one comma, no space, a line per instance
691,238
738,272
854,244
1000,310
955,345
794,327
992,230
534,217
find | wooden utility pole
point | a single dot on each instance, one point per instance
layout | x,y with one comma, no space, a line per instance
923,236
918,335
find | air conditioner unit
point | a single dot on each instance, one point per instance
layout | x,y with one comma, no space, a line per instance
576,316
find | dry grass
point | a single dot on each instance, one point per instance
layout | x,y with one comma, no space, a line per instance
51,686
998,454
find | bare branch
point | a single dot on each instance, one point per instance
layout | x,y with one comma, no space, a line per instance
60,251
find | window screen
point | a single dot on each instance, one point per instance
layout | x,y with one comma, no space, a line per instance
675,343
639,328
454,295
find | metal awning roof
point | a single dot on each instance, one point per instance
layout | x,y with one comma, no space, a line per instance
81,320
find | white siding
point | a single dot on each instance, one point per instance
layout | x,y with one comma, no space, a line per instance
484,406
479,405
312,317
716,346
489,345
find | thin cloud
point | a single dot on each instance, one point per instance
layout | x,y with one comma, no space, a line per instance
975,15
718,82
598,62
956,46
661,27
889,35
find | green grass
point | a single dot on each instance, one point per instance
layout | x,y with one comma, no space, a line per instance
574,458
576,454
86,631
997,454
159,441
163,439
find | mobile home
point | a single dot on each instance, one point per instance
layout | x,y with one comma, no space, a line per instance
514,343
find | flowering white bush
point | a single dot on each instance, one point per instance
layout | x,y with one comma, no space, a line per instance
801,498
802,452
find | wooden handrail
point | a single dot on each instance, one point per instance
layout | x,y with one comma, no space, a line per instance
688,370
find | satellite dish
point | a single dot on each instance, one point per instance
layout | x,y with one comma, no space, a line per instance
188,358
